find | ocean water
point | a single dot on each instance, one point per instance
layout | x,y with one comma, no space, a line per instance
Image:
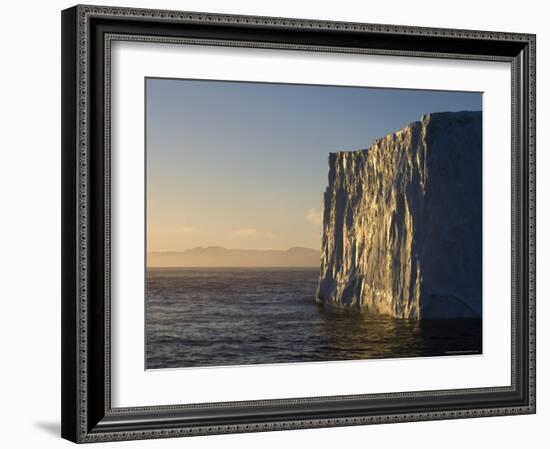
198,317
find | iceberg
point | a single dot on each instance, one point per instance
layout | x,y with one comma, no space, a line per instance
402,223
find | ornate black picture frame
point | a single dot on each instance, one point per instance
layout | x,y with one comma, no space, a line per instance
87,34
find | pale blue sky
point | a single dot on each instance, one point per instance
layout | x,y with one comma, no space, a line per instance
244,165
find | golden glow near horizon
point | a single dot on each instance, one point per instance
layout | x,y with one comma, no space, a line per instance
167,230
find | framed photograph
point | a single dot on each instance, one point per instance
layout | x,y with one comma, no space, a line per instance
278,223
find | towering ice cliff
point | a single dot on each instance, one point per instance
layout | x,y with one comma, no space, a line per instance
402,222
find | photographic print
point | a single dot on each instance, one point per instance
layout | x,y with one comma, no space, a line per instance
290,223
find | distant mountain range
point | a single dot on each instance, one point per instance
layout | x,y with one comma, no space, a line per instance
217,256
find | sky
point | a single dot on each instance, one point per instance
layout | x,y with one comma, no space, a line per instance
244,165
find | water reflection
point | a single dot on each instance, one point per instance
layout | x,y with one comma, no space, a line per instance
348,334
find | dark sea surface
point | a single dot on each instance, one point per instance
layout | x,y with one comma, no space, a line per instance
235,316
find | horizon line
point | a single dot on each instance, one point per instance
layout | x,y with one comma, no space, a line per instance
231,266
232,249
